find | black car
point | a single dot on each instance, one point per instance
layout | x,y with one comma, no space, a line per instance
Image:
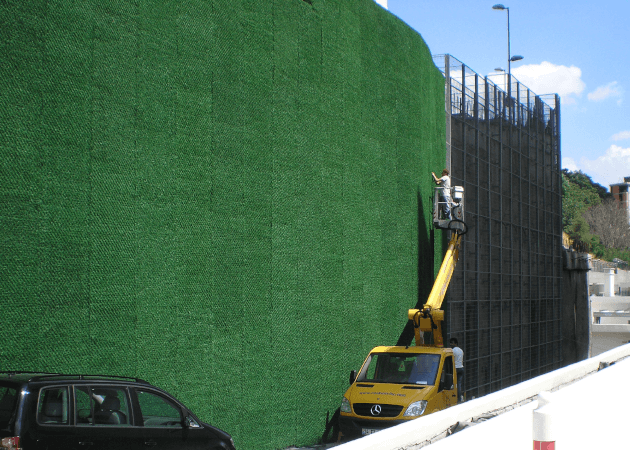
46,411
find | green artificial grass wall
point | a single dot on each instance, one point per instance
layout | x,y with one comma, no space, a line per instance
228,198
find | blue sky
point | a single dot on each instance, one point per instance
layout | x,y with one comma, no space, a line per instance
578,49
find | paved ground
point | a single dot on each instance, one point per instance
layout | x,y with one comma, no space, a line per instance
315,447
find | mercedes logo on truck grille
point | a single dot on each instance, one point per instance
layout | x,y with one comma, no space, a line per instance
376,410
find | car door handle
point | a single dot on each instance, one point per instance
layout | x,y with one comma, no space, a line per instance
86,443
150,443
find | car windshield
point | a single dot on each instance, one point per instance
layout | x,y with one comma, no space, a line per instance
8,398
403,368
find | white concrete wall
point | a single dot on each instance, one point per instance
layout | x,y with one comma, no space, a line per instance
589,414
610,332
603,396
606,337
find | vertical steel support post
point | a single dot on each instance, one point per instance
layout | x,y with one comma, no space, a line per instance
448,106
558,194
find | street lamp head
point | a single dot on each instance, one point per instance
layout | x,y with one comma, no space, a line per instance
499,69
499,6
516,58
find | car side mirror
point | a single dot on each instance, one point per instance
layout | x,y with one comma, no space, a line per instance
189,422
353,376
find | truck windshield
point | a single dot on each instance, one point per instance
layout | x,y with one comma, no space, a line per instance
403,368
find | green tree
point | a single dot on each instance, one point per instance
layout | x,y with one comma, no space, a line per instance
578,195
586,182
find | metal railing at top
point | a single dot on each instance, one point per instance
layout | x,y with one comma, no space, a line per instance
497,95
603,266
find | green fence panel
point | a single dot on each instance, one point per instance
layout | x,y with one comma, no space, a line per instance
230,199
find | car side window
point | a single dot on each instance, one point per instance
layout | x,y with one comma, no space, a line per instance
83,405
52,406
158,411
8,398
102,406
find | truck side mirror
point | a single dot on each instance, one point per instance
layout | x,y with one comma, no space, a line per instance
353,376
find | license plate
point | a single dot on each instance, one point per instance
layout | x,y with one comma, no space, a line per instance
367,431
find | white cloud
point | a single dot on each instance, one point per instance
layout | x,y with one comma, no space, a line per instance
548,78
569,164
607,91
621,136
609,168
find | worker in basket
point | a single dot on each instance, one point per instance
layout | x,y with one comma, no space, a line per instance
445,195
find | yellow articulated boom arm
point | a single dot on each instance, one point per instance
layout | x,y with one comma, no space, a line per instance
430,317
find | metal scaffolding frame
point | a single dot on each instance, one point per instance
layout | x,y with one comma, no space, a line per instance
504,302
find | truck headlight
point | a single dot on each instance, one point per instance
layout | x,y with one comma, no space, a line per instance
345,405
415,409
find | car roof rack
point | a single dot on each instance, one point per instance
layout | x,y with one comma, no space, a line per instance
39,376
12,373
87,377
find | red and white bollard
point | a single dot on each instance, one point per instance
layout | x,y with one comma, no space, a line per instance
544,437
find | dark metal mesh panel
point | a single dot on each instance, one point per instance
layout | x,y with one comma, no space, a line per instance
505,152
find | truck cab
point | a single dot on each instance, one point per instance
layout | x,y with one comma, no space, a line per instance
397,384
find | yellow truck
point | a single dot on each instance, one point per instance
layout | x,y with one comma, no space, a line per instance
400,383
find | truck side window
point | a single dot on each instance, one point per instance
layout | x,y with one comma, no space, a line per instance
446,379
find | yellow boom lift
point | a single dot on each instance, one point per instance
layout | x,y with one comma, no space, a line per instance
430,317
400,383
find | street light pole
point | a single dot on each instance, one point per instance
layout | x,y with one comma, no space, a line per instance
510,58
500,7
509,53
